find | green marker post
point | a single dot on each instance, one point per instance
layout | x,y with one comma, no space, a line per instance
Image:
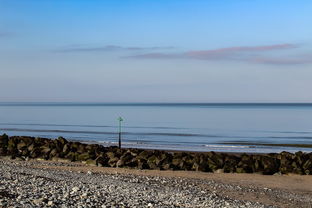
119,133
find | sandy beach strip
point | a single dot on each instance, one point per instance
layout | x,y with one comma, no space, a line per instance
57,184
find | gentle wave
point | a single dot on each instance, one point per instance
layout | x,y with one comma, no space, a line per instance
228,146
108,133
223,105
80,125
153,134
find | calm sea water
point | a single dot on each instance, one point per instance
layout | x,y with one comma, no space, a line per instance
195,127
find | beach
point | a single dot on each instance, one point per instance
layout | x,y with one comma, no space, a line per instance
155,104
36,183
41,172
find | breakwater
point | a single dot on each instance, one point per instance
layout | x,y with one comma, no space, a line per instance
94,154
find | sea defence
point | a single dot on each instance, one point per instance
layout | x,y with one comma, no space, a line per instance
60,149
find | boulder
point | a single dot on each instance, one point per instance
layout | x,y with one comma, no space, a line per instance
270,165
101,161
35,153
66,149
54,153
230,163
307,167
62,140
21,146
125,160
142,164
215,161
153,162
91,162
144,155
113,161
83,157
110,155
72,156
4,139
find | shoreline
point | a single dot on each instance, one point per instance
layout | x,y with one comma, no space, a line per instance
249,147
269,144
93,154
40,172
222,147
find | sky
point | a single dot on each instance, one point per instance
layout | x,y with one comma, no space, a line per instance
155,51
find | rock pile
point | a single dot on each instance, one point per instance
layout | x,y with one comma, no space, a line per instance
93,154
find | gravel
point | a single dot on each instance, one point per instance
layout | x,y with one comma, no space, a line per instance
22,185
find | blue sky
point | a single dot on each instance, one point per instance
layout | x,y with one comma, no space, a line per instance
156,51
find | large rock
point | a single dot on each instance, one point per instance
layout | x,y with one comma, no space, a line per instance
66,149
125,160
142,163
84,156
270,165
215,161
21,146
62,140
101,161
153,162
230,164
286,162
246,164
307,167
4,139
91,162
35,153
113,161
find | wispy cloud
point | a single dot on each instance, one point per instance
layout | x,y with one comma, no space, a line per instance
107,48
254,54
304,59
229,52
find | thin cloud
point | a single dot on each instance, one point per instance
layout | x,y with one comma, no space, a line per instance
217,53
224,52
242,53
307,59
107,48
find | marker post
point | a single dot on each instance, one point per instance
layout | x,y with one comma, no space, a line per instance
119,133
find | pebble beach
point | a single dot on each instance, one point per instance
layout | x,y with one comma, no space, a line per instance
36,183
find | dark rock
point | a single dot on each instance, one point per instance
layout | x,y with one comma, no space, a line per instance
94,154
230,164
72,156
270,165
66,149
62,140
91,162
142,164
84,157
125,160
101,161
113,161
4,139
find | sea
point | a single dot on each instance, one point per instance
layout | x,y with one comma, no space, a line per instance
222,127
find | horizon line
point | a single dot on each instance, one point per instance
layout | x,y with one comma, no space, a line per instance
72,103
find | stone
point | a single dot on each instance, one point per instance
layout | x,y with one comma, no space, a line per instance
91,162
219,171
62,140
113,161
75,189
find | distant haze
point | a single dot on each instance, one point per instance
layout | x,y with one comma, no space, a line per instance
155,51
